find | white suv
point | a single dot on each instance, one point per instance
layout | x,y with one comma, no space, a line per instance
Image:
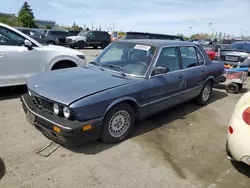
22,56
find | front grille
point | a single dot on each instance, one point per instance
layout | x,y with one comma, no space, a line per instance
42,103
68,40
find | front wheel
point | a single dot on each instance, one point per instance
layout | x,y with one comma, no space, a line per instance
104,45
205,94
80,45
118,123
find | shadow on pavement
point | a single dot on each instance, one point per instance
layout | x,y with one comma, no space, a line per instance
2,168
149,124
242,168
7,93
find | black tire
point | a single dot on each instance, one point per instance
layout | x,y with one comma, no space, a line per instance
233,88
51,42
81,45
63,65
201,100
72,47
95,47
106,135
2,168
104,45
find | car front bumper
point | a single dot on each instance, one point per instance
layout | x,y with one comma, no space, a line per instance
238,141
71,132
71,43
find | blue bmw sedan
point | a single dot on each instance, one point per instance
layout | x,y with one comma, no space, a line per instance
128,81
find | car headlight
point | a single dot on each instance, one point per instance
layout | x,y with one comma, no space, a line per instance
56,109
66,112
73,40
30,94
81,56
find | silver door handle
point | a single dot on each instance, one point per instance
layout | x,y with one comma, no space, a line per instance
1,54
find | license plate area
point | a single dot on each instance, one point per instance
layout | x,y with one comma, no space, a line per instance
30,117
231,58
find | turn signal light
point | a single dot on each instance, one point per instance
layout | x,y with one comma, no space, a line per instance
56,129
230,129
246,115
87,127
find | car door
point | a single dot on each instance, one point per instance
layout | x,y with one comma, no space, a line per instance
194,71
165,89
17,62
91,38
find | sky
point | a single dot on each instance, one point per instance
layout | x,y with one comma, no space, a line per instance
160,16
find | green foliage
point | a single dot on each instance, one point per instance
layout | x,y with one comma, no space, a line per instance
26,16
48,27
75,27
11,21
87,29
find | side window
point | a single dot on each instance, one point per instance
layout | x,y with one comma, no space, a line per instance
10,38
200,58
26,32
189,57
169,58
91,35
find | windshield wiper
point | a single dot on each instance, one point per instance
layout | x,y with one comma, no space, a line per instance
117,67
96,64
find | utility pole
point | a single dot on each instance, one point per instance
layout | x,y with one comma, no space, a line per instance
92,26
209,25
190,30
113,26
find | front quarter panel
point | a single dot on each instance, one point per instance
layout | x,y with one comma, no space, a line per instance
97,105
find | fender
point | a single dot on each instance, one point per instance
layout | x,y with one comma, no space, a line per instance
210,78
53,61
120,100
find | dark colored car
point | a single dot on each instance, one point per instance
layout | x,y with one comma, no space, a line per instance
59,34
89,38
142,35
235,55
38,36
211,50
130,80
73,32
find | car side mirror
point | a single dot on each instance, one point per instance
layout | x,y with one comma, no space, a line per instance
28,44
160,70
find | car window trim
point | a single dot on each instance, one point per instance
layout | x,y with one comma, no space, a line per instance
149,75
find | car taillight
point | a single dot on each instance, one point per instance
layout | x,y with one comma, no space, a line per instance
230,129
246,115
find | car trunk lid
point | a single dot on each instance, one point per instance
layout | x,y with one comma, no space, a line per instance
233,56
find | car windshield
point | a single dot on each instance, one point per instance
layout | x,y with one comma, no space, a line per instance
239,46
128,58
82,33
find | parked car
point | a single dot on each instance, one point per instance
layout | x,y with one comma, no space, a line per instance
128,81
89,38
211,50
21,56
73,32
239,131
39,37
235,55
142,35
59,34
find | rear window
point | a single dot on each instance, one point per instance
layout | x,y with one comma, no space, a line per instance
65,33
239,46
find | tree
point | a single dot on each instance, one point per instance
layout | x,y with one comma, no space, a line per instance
220,36
48,27
26,16
87,29
216,35
11,21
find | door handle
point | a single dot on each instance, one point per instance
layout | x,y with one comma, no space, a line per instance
1,54
203,70
180,76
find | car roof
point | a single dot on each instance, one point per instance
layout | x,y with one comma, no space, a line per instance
242,42
146,33
158,42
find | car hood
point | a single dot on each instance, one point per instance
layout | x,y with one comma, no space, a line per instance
61,48
76,37
68,85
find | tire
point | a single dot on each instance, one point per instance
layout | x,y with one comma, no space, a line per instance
118,115
203,98
63,65
104,45
2,168
51,42
80,45
233,88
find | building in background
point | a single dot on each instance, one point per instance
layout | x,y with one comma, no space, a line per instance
6,15
44,23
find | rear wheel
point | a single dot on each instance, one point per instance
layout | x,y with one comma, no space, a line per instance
233,88
95,47
80,45
205,94
118,123
63,65
104,45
